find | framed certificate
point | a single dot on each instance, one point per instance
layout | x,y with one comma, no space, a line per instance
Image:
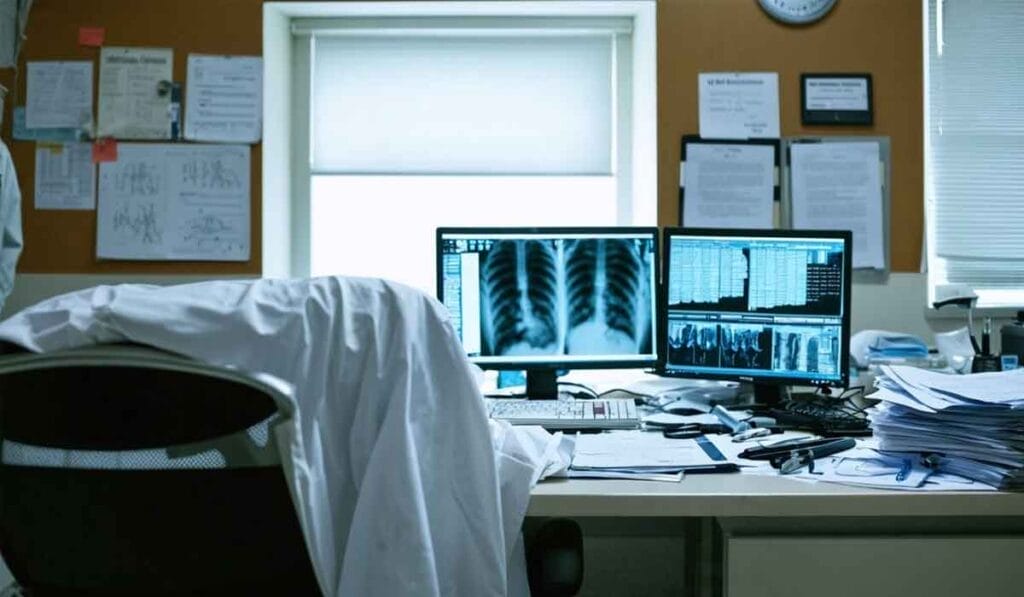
836,98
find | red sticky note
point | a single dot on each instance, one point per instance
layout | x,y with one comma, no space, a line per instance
104,150
91,36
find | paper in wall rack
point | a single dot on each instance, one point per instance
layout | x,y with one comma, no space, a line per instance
728,183
841,183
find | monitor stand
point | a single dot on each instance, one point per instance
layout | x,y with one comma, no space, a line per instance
767,394
542,384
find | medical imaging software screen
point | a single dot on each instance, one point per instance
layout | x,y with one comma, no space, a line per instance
759,307
536,297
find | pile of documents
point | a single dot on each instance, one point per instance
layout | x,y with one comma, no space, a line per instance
968,425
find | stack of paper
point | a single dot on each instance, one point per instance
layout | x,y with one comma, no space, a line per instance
974,424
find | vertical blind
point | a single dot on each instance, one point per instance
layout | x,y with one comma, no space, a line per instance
441,99
975,140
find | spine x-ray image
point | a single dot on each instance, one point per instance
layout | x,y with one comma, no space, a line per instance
806,349
574,297
693,344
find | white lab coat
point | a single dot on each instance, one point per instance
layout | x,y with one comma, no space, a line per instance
402,486
10,223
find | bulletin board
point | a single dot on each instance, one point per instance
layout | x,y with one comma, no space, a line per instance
880,37
65,241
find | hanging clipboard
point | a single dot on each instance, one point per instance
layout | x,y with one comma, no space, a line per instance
729,183
833,187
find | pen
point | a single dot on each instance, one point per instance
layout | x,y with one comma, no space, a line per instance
986,333
728,420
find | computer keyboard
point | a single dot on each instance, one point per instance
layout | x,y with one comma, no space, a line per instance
566,414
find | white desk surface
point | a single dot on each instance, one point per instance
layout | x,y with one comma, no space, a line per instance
736,495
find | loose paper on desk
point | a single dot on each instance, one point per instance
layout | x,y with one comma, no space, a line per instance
224,98
59,94
65,176
837,186
728,186
175,201
739,105
134,95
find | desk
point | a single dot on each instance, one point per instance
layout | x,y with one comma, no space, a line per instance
747,535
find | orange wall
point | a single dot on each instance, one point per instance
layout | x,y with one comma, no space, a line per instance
882,37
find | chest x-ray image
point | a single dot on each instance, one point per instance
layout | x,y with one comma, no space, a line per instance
566,296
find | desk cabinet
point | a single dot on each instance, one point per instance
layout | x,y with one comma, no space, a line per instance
927,565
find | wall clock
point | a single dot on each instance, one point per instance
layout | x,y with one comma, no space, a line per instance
797,12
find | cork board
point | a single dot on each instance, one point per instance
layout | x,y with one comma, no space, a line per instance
881,37
65,241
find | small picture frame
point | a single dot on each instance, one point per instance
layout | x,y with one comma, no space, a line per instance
836,98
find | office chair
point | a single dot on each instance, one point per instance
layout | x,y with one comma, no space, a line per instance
129,471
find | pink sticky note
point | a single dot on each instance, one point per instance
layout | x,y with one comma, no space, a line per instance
104,150
91,36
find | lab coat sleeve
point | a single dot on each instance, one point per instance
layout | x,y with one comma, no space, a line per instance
10,218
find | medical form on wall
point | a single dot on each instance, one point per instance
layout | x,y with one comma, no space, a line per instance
59,94
135,93
175,201
838,186
65,176
728,185
224,98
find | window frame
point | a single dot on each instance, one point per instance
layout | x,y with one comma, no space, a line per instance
286,152
993,302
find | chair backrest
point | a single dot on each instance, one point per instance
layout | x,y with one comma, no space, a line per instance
128,471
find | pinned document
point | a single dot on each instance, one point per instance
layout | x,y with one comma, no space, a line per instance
59,94
175,201
728,185
838,186
65,176
739,105
134,93
224,98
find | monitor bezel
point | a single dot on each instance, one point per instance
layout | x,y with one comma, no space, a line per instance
552,365
843,379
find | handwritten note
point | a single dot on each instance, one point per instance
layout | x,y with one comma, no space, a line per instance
59,94
65,176
225,98
134,94
172,201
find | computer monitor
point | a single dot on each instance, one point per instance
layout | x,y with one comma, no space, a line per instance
545,299
771,307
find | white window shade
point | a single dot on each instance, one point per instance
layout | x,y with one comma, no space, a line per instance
975,143
463,101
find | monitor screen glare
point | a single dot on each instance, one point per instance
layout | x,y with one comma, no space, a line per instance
755,307
544,297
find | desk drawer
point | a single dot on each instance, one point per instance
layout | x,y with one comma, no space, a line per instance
932,566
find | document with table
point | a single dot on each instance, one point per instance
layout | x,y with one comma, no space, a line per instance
639,452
